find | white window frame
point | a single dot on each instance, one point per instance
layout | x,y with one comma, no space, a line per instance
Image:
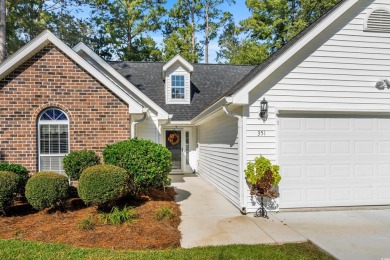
183,87
51,122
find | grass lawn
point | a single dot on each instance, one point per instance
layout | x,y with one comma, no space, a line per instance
18,249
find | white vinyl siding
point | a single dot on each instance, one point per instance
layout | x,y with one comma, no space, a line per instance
339,74
148,129
218,156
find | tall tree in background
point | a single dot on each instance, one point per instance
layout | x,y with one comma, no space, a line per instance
236,51
26,19
271,25
179,31
123,25
2,31
275,22
212,16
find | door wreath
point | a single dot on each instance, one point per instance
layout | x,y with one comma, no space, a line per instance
174,139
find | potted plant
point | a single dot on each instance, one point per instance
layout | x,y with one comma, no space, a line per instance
263,177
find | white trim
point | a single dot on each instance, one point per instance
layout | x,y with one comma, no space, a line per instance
50,122
81,47
46,37
211,110
180,59
181,123
242,95
316,110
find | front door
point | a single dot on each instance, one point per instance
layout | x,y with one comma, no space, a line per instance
173,143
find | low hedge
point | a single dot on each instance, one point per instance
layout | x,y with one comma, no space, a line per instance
46,189
102,185
8,186
77,161
19,170
149,163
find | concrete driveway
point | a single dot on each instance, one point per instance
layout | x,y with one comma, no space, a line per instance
348,234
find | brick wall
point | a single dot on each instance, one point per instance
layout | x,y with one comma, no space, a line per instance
51,79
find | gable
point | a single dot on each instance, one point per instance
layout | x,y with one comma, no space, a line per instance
46,38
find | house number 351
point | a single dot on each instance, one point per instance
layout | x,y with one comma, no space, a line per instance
261,133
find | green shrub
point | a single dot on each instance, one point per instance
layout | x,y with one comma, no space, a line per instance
86,224
255,171
46,189
77,161
102,185
8,186
18,169
149,163
117,216
163,213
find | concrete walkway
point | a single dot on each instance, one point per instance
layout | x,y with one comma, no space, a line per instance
210,219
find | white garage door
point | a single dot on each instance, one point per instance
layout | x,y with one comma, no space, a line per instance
334,160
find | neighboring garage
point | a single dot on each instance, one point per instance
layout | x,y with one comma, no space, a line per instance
334,160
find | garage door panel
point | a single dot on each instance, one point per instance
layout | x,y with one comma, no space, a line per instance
329,161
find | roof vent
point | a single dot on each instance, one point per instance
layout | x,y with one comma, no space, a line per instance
378,21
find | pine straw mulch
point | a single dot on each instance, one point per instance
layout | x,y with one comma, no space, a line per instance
62,227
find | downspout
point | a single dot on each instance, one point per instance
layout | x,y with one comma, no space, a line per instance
133,123
240,155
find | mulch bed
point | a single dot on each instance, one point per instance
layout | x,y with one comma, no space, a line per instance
62,227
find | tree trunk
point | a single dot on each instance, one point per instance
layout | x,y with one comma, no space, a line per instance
207,32
2,30
193,29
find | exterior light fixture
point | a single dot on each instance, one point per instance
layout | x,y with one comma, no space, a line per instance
382,84
264,109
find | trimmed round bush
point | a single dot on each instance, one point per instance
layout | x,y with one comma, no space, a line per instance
103,184
148,163
46,189
77,161
8,186
19,170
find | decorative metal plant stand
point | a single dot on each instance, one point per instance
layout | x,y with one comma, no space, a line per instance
261,212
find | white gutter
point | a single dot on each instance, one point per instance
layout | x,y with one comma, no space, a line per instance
212,109
134,122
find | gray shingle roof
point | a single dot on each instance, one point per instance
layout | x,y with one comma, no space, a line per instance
208,83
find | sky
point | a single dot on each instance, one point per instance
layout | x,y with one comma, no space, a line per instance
239,11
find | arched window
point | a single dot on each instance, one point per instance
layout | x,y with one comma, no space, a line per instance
378,21
53,139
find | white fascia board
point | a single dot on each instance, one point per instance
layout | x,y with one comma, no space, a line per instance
46,37
182,61
184,123
241,96
332,111
81,47
211,110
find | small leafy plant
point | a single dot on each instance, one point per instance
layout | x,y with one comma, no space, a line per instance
263,177
86,224
163,213
8,186
77,161
46,189
117,216
19,170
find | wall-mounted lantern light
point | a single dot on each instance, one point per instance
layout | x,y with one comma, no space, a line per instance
382,84
264,109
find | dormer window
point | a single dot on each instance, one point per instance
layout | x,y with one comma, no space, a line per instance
178,86
177,76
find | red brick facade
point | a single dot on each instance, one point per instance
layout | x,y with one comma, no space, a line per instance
50,79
